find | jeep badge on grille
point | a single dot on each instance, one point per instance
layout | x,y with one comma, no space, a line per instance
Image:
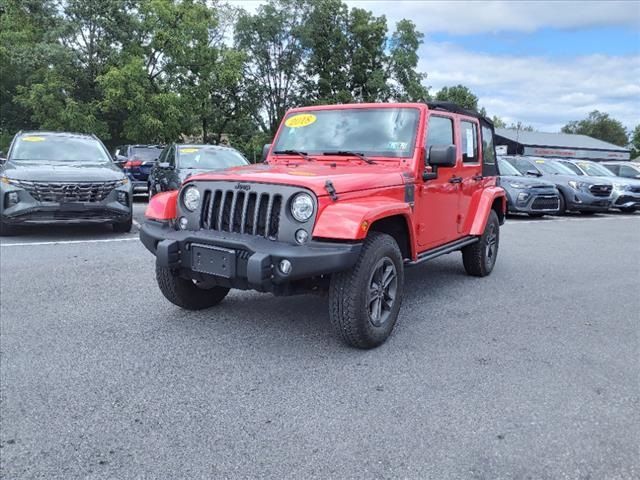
242,186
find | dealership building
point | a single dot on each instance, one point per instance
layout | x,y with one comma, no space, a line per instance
559,145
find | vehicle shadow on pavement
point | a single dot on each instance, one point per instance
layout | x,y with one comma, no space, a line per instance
285,323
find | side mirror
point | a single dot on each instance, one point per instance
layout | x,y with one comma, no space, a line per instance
442,156
533,173
165,165
265,152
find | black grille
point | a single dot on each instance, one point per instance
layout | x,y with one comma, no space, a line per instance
600,190
545,203
254,213
635,189
67,192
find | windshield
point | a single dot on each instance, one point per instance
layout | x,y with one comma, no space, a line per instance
552,168
145,153
594,170
507,169
209,158
386,132
59,148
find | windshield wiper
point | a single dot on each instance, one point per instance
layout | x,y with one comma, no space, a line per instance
361,156
294,152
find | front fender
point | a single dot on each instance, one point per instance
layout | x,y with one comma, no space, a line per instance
162,206
484,206
350,220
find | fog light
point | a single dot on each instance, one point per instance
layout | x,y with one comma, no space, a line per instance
12,199
182,223
122,198
522,197
302,236
285,266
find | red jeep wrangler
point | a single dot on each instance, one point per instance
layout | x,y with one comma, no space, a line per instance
348,197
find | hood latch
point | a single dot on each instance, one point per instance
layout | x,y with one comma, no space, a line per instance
328,185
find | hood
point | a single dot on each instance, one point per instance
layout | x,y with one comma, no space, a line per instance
62,172
528,181
565,179
345,177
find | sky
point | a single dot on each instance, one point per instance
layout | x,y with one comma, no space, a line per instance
543,63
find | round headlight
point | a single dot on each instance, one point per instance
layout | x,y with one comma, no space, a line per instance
302,207
191,198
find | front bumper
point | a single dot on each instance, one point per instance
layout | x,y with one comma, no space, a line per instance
625,199
29,211
253,260
533,200
586,202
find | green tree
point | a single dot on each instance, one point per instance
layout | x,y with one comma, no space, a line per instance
460,95
498,122
404,45
601,126
635,142
272,38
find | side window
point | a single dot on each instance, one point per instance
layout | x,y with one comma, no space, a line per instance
628,172
615,169
488,150
163,155
440,132
469,133
171,156
572,167
524,166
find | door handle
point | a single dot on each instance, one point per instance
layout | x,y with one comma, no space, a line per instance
477,178
455,180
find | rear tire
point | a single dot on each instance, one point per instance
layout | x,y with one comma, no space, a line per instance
123,227
479,258
186,293
364,301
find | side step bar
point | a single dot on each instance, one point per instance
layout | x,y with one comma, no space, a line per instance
442,250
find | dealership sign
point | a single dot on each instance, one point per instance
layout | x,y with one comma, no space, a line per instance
576,153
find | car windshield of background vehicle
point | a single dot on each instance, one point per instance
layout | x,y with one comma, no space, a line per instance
595,170
507,169
203,158
382,132
54,148
553,168
145,154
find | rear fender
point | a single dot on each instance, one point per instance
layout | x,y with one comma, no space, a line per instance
351,220
162,206
484,206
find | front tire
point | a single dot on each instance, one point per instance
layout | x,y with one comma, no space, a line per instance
124,226
364,301
562,204
186,293
479,258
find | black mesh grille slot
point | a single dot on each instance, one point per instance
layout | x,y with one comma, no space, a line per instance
206,210
214,214
274,217
237,209
261,222
249,215
225,212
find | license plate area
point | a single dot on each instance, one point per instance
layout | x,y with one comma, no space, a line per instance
220,262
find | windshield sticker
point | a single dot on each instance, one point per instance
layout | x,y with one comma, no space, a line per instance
33,139
398,145
189,150
301,120
470,152
539,161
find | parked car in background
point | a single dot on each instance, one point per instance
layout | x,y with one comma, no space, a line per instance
178,162
626,191
54,177
578,193
525,194
623,169
137,162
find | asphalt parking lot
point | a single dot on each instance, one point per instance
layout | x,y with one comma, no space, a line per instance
532,372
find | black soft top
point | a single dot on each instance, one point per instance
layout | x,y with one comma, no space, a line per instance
455,108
